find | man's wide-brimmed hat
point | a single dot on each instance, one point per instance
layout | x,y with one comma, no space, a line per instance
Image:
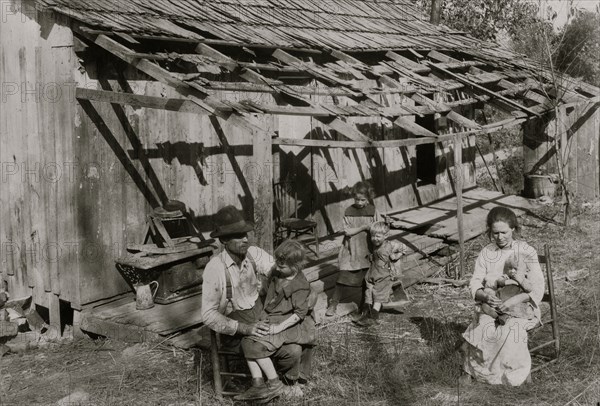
230,221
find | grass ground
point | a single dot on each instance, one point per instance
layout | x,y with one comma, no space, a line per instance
409,359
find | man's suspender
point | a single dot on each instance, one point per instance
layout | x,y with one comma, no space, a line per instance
228,285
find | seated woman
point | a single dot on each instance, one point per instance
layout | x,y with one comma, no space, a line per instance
496,353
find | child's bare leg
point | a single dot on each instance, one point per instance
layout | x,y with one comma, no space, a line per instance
335,299
266,365
254,368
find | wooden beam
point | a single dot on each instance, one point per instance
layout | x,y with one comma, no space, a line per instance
460,64
441,57
55,320
459,182
342,56
196,94
262,154
301,142
305,90
257,78
208,41
315,70
349,131
527,92
479,98
414,128
291,110
221,58
345,129
462,120
187,106
136,100
438,107
408,63
484,89
127,38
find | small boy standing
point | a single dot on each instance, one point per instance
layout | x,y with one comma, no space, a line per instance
382,272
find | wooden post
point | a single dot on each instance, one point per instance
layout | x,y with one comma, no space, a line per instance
436,11
458,182
263,192
553,311
216,364
55,322
77,319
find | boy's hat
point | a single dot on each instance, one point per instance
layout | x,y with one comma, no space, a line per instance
230,221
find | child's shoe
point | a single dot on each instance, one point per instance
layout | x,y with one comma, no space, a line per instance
258,390
274,389
331,309
363,315
371,320
360,314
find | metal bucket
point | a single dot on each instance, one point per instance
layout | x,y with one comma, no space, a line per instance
539,185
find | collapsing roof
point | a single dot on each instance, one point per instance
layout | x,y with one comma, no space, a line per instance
380,56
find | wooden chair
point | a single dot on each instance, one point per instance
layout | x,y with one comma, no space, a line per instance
550,298
221,360
286,203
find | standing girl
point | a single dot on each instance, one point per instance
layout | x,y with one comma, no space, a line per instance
354,255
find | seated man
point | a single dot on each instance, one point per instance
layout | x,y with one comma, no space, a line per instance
231,304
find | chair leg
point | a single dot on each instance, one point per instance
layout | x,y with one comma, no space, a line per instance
316,240
553,311
216,365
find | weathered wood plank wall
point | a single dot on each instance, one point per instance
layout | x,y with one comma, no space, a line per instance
579,129
102,167
38,206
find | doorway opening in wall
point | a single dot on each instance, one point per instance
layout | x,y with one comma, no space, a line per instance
426,164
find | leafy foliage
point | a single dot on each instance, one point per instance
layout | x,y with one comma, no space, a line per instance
578,47
485,19
531,40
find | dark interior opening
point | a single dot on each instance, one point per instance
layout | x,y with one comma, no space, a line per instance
426,164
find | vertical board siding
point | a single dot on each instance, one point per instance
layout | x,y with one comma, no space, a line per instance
104,167
579,131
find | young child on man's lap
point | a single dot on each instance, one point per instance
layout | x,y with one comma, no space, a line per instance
286,309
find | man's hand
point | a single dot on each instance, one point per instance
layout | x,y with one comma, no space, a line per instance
257,329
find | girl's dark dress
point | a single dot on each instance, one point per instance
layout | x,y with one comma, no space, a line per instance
284,298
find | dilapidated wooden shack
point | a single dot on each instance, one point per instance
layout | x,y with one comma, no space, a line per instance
110,109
